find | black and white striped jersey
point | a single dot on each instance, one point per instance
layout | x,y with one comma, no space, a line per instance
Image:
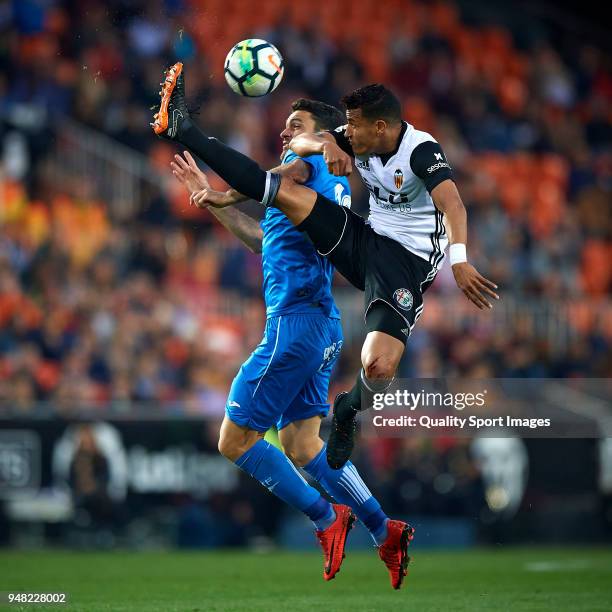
400,184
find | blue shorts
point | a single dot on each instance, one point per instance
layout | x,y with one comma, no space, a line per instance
286,378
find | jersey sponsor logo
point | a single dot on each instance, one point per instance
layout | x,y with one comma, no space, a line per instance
438,156
437,167
233,404
398,177
404,298
392,198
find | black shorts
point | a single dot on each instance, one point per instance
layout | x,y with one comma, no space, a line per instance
393,279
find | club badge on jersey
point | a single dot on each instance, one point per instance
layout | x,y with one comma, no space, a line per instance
399,178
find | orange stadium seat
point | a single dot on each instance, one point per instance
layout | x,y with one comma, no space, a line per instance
555,169
444,18
418,112
12,200
595,267
512,94
547,208
514,195
36,222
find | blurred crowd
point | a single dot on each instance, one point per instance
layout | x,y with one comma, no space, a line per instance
162,305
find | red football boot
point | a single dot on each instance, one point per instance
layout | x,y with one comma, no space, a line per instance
333,540
394,551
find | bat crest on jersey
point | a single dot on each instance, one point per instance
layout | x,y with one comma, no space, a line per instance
398,176
404,299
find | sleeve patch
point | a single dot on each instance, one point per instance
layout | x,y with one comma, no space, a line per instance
429,163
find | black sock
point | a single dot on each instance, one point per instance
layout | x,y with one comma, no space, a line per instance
238,170
351,403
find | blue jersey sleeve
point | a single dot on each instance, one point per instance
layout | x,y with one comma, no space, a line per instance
313,162
335,188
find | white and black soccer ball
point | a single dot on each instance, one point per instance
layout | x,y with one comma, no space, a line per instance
254,68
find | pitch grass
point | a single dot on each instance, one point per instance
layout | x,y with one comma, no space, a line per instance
576,579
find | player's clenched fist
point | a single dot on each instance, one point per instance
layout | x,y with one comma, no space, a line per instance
210,197
474,285
338,162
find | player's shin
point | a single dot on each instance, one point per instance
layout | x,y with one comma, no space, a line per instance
347,487
238,170
274,471
360,397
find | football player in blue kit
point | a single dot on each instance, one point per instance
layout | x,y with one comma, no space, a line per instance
285,380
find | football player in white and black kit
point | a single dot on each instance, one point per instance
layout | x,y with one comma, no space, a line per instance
393,257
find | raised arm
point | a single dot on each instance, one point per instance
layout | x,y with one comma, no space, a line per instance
246,229
311,144
335,148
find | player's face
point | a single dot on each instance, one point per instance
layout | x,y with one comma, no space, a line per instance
361,132
298,122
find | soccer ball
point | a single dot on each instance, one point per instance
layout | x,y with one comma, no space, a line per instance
254,68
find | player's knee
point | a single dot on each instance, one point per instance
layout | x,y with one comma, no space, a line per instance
233,448
380,357
379,366
302,451
228,448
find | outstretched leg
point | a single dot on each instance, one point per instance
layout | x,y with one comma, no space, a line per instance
247,177
172,122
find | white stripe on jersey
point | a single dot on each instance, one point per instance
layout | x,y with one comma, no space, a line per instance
405,213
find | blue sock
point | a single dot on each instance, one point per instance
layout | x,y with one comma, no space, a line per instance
346,487
275,472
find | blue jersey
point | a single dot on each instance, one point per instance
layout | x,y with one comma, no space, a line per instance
296,279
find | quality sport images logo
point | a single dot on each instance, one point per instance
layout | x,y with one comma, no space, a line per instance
404,298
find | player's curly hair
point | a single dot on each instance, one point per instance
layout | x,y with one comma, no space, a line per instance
375,102
327,118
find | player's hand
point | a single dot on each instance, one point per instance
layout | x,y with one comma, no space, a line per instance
338,162
210,197
187,172
475,286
